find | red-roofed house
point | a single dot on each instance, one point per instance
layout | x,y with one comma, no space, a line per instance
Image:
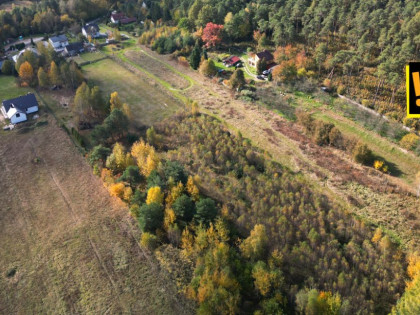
232,61
121,18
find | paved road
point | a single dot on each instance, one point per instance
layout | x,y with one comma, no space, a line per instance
26,41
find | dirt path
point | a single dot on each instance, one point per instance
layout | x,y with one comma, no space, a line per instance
74,248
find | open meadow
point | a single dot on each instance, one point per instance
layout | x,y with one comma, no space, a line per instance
67,246
148,101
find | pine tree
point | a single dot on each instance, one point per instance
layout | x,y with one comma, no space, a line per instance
195,57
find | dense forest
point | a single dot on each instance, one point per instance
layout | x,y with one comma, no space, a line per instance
244,233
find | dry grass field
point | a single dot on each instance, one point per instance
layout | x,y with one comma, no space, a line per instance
66,246
148,101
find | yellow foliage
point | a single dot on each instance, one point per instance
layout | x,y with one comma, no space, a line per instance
413,268
377,236
187,242
169,218
145,156
117,190
26,72
262,280
127,111
193,189
106,177
409,141
154,194
128,193
115,101
255,245
175,192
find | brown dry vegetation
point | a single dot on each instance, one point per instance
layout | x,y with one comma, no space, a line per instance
66,246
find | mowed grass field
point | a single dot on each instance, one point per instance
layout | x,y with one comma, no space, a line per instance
66,246
9,89
148,101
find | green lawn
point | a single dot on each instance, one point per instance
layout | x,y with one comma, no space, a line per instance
407,163
9,89
88,56
147,101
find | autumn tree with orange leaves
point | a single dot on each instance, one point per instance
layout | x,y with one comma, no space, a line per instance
212,34
26,74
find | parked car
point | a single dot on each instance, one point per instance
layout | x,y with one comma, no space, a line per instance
266,72
260,77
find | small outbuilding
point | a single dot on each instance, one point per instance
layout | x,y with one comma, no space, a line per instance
17,109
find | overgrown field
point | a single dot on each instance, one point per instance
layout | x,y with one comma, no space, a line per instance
66,246
148,102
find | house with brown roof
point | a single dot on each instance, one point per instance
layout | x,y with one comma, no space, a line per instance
121,18
268,56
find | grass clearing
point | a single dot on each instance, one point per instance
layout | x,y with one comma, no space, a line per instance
67,246
158,69
87,57
148,102
9,89
8,6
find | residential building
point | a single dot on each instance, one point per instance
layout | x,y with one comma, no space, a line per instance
17,109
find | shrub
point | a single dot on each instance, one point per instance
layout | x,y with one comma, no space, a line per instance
321,132
206,210
149,241
362,154
409,141
336,138
208,68
117,190
184,208
150,217
341,89
305,120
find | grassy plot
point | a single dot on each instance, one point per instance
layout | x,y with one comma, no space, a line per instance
148,102
8,6
161,71
87,57
9,89
66,246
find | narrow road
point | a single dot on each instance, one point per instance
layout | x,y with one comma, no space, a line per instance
26,41
246,65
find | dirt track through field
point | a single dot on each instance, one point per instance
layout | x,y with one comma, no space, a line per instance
74,248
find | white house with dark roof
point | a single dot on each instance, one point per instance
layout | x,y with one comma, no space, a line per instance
59,42
16,109
91,30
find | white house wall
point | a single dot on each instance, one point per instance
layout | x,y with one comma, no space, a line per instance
32,109
15,120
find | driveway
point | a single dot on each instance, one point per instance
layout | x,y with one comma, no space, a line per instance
246,67
27,41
